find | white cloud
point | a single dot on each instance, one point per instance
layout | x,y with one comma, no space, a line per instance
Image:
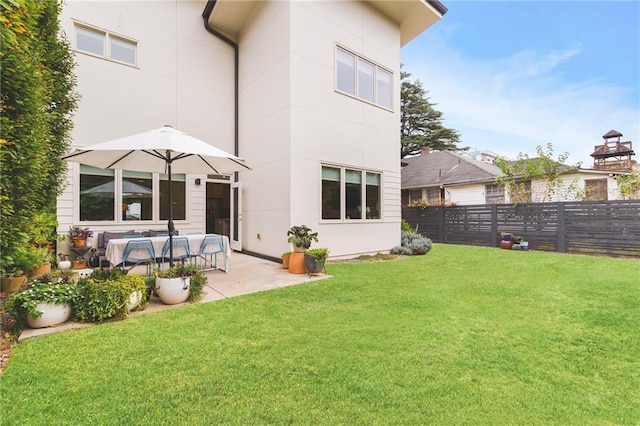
513,104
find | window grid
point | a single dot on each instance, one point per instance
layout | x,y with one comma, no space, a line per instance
104,44
363,79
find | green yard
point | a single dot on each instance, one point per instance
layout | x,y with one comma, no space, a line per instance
463,335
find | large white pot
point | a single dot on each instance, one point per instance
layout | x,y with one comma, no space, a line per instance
134,300
173,290
52,314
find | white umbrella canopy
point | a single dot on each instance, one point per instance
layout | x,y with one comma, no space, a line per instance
155,150
164,150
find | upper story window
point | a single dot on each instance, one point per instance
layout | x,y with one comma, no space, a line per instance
363,79
106,45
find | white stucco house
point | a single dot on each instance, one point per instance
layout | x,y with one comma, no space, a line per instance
307,92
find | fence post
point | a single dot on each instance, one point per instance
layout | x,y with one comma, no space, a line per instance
561,240
494,226
441,224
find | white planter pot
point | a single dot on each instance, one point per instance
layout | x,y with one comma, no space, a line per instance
134,300
173,290
64,264
51,315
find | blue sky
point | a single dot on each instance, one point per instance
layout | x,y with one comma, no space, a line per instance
513,75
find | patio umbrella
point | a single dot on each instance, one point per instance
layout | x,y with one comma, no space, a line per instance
129,189
163,150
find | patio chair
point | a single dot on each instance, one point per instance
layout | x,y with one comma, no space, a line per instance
211,245
181,250
139,251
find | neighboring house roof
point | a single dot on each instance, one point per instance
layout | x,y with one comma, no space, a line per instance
448,168
445,168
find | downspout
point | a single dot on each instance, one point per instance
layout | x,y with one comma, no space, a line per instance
206,14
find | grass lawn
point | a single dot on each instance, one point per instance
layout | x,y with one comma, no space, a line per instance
463,335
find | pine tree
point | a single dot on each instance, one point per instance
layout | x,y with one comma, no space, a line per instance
421,123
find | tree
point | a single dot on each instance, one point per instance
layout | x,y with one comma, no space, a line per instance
36,104
517,176
629,185
420,123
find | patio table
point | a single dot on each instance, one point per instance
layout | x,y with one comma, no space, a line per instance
115,247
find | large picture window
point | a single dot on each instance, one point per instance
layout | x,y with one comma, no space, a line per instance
107,195
104,44
363,79
345,191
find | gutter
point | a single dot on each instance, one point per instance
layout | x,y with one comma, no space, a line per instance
438,6
206,14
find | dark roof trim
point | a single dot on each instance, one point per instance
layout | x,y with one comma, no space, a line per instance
438,6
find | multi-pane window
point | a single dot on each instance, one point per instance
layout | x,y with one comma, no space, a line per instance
494,194
595,189
415,195
106,195
433,194
363,79
102,43
350,194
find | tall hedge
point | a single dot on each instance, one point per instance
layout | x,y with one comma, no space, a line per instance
37,99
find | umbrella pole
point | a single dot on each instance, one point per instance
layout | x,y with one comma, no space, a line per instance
171,228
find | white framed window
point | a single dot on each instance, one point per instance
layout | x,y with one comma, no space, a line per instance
494,194
350,194
363,79
105,44
124,196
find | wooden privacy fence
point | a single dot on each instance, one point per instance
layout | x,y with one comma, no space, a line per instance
610,228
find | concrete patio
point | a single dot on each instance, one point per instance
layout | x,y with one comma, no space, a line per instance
247,274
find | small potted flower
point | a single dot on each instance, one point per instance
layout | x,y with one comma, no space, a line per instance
315,259
78,235
80,263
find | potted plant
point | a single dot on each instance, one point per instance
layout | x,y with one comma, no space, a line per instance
42,304
78,235
40,259
301,237
315,259
109,294
285,259
80,263
12,279
179,283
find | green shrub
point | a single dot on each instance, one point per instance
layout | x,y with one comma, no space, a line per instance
412,244
405,227
102,299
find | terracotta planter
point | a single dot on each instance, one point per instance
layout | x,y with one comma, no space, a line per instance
79,264
12,284
172,291
41,270
52,314
79,242
296,263
285,261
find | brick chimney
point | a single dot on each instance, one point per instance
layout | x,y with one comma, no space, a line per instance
425,150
